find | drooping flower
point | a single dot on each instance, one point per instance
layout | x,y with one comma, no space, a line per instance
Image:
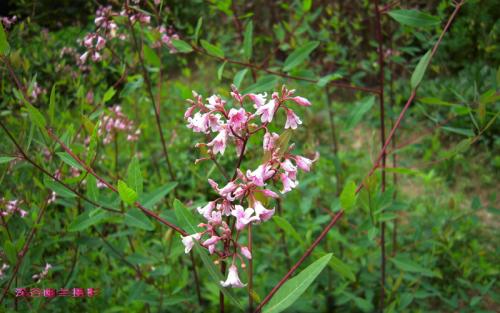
267,111
206,211
246,252
263,213
258,99
232,278
292,120
218,144
303,163
288,183
188,241
270,141
301,101
243,217
237,119
260,175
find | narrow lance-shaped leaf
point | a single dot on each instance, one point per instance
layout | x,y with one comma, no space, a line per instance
211,49
182,46
134,176
198,28
4,44
299,55
247,41
136,218
348,196
419,72
414,18
295,287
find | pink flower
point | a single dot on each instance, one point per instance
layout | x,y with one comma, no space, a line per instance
270,141
266,111
269,193
301,101
304,163
100,43
218,144
232,278
292,120
227,191
188,241
206,211
215,218
243,217
198,123
260,175
237,118
288,184
215,102
210,243
288,166
263,213
246,252
258,99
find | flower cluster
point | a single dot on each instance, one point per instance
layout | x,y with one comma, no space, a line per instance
8,21
116,122
226,216
43,274
166,37
11,207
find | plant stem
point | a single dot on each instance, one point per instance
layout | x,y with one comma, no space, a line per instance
250,271
378,33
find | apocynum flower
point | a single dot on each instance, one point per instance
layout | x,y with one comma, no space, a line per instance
266,111
270,140
261,174
243,217
288,183
232,278
246,252
206,211
258,99
218,144
237,119
263,213
188,241
303,163
301,101
292,120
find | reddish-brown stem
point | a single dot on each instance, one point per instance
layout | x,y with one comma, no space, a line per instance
250,271
374,167
378,33
301,260
99,178
266,70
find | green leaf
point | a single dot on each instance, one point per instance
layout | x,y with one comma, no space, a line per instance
360,110
211,49
198,27
10,249
108,94
92,190
134,176
220,70
182,46
87,219
58,188
4,44
306,5
35,116
419,72
188,222
323,81
407,265
149,200
238,78
295,287
414,18
343,269
52,103
136,218
299,55
348,196
264,83
68,159
287,228
127,194
150,56
6,159
247,41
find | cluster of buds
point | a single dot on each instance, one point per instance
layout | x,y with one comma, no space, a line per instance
8,21
166,37
11,207
116,122
226,217
43,274
36,91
